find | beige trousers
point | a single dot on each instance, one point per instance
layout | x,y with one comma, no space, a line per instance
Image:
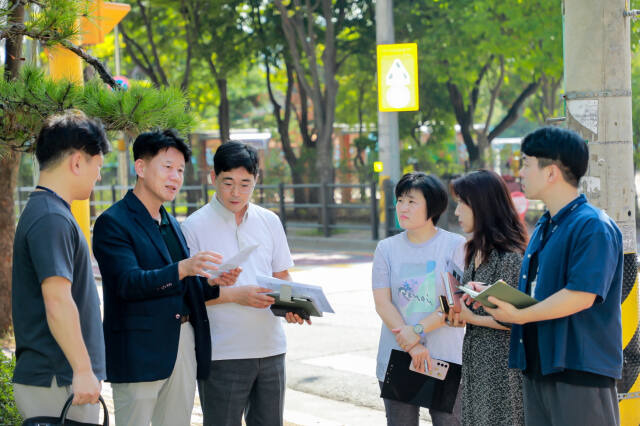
162,402
36,401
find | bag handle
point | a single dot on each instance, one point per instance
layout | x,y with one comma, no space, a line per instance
67,405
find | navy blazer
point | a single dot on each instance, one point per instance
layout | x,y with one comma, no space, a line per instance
143,296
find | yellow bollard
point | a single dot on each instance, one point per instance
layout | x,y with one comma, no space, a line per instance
630,383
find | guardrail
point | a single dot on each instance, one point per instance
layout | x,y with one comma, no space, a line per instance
320,213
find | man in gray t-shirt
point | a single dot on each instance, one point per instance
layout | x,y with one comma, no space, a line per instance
56,309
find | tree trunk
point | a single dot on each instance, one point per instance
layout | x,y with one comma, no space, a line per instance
223,111
193,196
8,177
13,47
483,160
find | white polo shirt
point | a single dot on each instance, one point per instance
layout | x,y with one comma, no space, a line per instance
238,331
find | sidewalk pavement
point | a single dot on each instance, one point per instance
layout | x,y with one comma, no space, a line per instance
301,409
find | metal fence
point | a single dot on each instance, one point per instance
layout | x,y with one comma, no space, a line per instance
326,209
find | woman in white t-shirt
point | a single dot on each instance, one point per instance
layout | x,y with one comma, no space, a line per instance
406,288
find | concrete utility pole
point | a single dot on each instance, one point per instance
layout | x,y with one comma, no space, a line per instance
597,73
388,146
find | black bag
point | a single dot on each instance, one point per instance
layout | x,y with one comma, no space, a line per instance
402,384
62,420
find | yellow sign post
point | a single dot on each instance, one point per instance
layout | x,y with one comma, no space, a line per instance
398,77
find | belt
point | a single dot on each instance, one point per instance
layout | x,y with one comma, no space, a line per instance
184,318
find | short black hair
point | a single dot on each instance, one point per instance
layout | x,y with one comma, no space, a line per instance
231,155
72,130
432,189
562,147
148,144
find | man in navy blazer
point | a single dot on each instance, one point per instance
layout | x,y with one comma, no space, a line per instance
156,328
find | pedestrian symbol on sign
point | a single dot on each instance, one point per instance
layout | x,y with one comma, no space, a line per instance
398,77
398,94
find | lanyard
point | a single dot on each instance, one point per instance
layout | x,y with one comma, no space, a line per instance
51,191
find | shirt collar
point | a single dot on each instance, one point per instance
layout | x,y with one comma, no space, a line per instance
226,214
164,218
564,212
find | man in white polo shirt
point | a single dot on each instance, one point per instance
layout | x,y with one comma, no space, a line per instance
247,373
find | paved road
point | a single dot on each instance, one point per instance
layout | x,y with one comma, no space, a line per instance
335,358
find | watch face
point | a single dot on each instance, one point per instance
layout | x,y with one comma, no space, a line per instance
418,328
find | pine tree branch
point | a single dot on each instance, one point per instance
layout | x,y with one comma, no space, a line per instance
94,62
20,30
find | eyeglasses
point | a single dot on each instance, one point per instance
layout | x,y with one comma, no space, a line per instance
242,188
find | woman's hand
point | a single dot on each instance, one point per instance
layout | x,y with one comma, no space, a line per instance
460,319
475,286
420,354
406,337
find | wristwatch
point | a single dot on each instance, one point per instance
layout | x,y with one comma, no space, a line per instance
419,329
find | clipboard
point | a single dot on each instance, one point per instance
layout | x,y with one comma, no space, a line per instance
303,306
402,384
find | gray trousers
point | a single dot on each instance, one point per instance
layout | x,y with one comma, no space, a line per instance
549,403
36,401
254,387
403,414
166,402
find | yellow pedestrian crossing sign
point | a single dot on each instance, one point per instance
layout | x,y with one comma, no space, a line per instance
398,77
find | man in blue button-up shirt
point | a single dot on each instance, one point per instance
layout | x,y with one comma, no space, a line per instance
569,345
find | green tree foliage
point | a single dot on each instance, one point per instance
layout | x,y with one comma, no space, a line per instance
8,411
201,45
32,97
319,38
485,53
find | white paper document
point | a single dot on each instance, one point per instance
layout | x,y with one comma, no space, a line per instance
235,261
307,291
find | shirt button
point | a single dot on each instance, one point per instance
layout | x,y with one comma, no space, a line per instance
177,316
529,256
524,276
521,341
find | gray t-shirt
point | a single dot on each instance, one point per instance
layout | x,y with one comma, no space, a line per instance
413,272
48,243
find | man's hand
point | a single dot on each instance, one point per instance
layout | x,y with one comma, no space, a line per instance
226,278
86,388
199,264
406,337
420,354
504,312
252,295
292,318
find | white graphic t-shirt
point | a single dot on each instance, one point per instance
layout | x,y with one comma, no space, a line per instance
413,273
